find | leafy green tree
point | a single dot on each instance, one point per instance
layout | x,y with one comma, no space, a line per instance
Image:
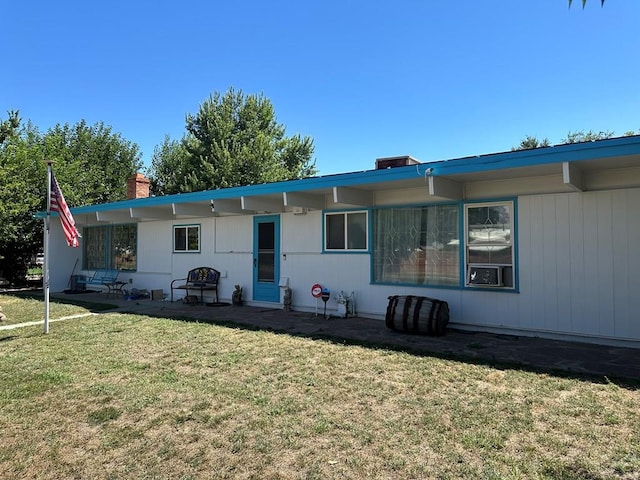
91,164
590,136
578,136
233,140
9,126
93,160
531,142
584,2
22,186
166,163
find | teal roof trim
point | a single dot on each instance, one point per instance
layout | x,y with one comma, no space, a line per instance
615,147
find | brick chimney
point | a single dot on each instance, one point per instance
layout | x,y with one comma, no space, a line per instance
137,187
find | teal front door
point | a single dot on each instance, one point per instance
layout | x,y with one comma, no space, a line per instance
266,258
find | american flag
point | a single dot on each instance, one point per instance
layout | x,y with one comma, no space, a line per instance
66,219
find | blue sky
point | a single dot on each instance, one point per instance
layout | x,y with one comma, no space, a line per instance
365,79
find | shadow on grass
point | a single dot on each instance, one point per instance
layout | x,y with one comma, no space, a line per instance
461,346
483,357
39,295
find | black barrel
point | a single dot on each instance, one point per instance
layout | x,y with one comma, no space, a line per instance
419,315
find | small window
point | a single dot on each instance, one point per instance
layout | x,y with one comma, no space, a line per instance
346,231
186,238
489,244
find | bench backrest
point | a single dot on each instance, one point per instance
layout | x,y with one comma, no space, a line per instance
203,275
107,276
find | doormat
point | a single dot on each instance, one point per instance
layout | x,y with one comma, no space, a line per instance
217,304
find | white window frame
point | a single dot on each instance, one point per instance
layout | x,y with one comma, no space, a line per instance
474,267
346,248
186,228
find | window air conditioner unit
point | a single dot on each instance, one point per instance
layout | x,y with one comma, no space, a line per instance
485,275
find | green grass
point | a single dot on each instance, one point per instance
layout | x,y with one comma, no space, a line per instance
123,396
28,306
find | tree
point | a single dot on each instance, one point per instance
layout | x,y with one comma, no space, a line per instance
20,196
531,142
584,2
94,160
590,136
233,140
167,163
9,126
91,165
578,136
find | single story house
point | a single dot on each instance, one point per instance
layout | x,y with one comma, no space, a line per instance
542,242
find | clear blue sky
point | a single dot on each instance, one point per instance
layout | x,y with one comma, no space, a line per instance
365,79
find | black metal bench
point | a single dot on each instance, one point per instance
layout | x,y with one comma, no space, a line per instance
204,279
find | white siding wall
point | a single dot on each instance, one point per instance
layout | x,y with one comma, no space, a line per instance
62,258
577,255
578,264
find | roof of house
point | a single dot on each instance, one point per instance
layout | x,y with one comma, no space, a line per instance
442,177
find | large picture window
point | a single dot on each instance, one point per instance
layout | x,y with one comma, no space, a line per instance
346,231
186,238
489,251
417,245
111,247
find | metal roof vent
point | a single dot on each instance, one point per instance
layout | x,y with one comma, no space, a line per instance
391,162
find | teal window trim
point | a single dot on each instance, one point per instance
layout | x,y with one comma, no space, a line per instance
374,237
346,250
187,228
108,257
463,246
515,288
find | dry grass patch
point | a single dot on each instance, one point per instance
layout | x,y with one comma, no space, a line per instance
125,396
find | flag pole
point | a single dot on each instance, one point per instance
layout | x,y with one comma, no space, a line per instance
45,276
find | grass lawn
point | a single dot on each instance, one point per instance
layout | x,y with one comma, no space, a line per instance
18,309
120,396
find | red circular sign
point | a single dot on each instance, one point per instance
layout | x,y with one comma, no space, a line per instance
316,290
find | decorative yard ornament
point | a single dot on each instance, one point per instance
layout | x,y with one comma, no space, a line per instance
342,304
316,292
287,299
326,295
236,296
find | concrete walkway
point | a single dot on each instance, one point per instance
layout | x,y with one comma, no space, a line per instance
603,363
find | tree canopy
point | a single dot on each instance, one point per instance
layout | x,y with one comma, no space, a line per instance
584,2
9,126
531,142
578,136
233,140
91,164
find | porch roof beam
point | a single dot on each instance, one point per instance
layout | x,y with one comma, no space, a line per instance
192,209
572,177
229,205
152,213
114,216
445,188
262,204
305,200
352,196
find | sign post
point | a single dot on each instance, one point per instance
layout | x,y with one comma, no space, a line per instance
326,294
316,292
